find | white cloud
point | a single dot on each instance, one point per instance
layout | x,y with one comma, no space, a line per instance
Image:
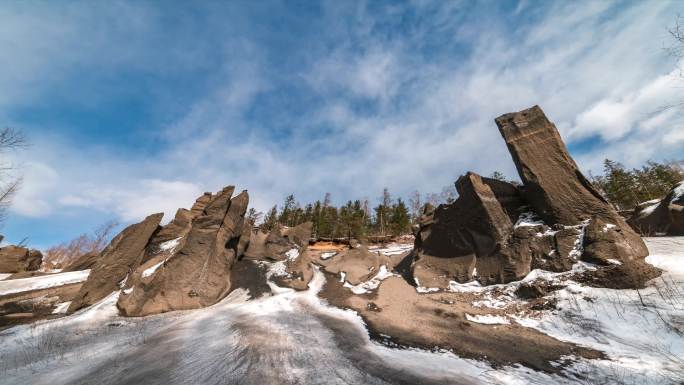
595,69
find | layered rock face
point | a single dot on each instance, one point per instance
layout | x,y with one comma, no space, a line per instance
15,259
116,261
274,245
188,264
288,244
664,216
497,232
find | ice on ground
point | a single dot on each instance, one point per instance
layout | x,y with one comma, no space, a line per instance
372,284
641,331
240,341
613,261
42,282
392,249
4,275
488,319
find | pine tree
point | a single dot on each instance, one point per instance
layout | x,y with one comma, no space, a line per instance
400,220
271,219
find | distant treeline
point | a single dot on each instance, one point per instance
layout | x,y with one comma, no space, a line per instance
392,217
627,188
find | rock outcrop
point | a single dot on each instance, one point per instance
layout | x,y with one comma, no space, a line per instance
661,217
116,261
496,232
275,245
188,266
358,264
83,262
15,259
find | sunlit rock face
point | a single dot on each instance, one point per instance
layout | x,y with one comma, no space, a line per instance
191,267
15,259
123,254
663,216
496,232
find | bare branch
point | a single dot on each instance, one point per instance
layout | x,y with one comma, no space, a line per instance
11,138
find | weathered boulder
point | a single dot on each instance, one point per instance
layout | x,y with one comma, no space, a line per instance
553,184
83,262
663,216
358,264
192,270
475,237
467,234
299,271
116,261
605,245
275,244
557,190
14,259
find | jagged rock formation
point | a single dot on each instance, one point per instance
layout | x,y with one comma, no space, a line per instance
120,257
83,262
15,259
664,216
358,264
491,232
275,244
189,262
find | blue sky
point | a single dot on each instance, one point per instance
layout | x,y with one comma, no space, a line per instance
138,107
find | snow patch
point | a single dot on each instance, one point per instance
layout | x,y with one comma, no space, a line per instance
423,290
372,284
61,308
488,319
150,270
292,254
528,219
42,282
678,192
328,255
169,245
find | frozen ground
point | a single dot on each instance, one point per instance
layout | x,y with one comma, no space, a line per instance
11,286
294,338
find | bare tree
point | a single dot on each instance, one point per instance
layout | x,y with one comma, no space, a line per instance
676,51
416,204
60,255
9,183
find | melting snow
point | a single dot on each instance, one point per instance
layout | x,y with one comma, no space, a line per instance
169,245
42,282
292,254
678,192
488,319
150,270
328,255
528,219
372,284
61,308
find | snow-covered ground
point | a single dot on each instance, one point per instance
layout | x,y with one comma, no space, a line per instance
12,286
295,338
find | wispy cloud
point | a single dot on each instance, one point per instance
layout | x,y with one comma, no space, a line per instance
340,97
